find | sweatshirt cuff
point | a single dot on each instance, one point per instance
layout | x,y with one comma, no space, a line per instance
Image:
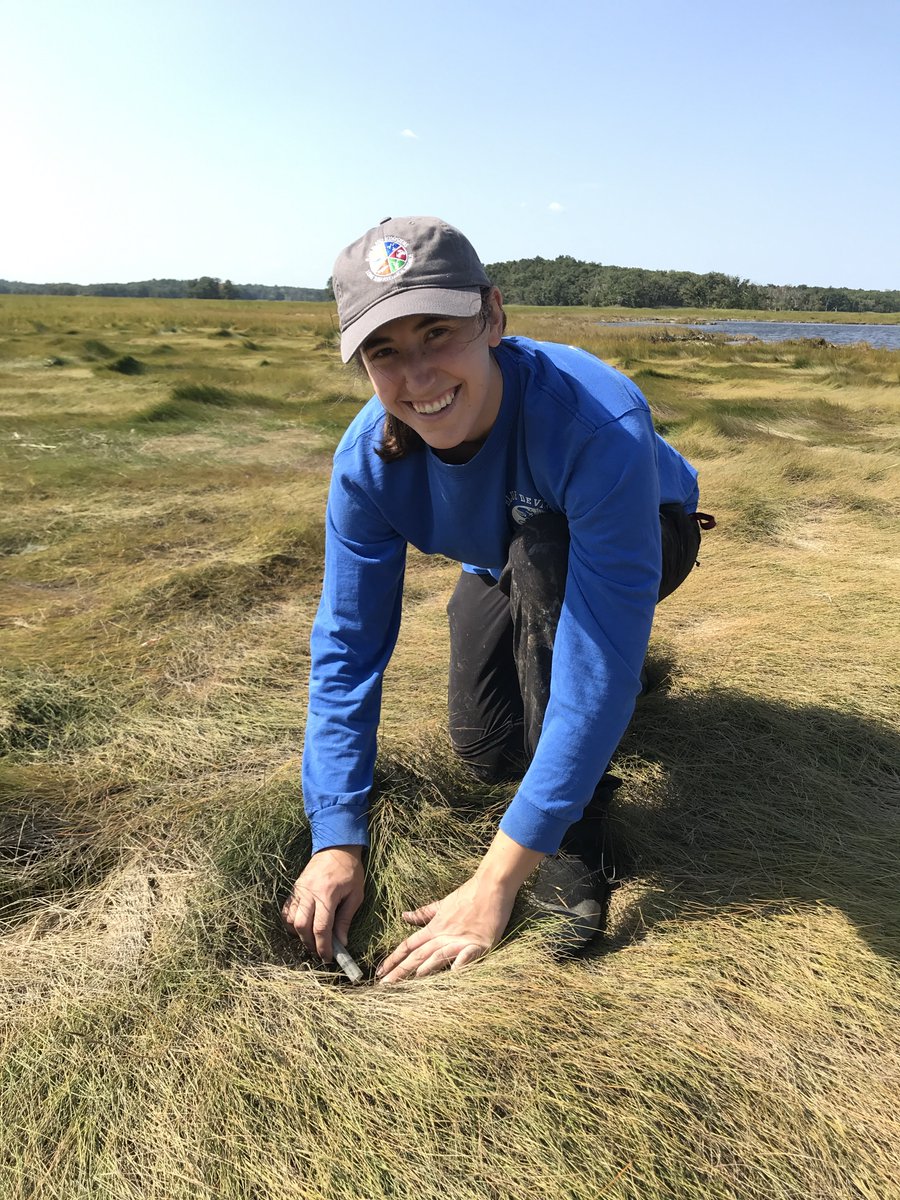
339,826
533,827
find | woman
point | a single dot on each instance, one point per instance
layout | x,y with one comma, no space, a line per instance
537,467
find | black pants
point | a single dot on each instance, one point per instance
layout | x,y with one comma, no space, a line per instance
502,634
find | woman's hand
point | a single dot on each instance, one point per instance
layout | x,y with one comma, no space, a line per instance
469,922
326,898
456,930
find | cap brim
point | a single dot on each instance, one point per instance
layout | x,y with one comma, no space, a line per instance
411,302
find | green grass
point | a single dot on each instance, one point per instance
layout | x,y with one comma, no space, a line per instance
735,1034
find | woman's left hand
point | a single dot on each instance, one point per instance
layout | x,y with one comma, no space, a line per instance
455,931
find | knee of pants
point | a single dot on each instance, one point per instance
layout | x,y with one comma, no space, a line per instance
539,552
493,759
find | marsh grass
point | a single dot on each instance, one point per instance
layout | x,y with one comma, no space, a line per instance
126,364
734,1036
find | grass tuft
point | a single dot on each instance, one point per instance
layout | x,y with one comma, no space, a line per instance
220,397
40,710
126,364
95,348
196,402
224,588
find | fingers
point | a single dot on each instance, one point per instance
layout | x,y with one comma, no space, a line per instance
325,899
448,957
468,954
403,951
342,921
409,965
311,919
322,925
428,959
421,916
297,913
343,917
439,961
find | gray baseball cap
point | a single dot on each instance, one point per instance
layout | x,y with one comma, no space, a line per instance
402,267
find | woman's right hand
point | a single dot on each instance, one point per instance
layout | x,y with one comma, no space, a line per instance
326,898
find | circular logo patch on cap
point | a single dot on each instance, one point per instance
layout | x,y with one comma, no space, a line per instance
388,258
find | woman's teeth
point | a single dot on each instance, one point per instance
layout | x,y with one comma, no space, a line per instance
434,406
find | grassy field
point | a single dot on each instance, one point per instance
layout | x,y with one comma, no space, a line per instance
735,1036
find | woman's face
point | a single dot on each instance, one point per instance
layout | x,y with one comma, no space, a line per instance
437,374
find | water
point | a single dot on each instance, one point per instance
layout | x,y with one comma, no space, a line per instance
886,337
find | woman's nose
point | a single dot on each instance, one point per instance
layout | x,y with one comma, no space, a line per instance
419,374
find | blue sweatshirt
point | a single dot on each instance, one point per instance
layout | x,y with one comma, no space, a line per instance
572,436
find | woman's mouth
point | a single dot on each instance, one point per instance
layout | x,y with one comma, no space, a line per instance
427,408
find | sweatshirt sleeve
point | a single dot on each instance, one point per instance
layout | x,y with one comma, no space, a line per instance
352,640
604,628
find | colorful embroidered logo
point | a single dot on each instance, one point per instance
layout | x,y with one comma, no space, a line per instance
388,258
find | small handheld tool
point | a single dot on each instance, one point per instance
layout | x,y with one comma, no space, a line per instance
346,961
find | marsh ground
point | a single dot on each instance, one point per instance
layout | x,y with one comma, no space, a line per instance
736,1035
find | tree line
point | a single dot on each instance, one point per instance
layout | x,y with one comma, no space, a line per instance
207,287
541,281
566,280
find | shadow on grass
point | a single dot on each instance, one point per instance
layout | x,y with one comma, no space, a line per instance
730,803
745,803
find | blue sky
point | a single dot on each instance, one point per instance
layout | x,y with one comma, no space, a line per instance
252,139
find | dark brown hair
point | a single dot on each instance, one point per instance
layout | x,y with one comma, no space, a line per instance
397,438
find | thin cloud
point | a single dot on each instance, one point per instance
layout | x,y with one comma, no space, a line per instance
409,133
555,206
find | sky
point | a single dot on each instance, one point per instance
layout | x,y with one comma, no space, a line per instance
252,139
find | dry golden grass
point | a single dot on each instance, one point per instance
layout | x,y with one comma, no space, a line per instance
737,1033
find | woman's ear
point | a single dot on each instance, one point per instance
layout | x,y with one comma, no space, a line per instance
497,321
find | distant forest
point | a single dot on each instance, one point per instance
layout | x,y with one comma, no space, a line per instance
540,281
204,288
566,280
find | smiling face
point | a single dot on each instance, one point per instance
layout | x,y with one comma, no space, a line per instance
437,374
